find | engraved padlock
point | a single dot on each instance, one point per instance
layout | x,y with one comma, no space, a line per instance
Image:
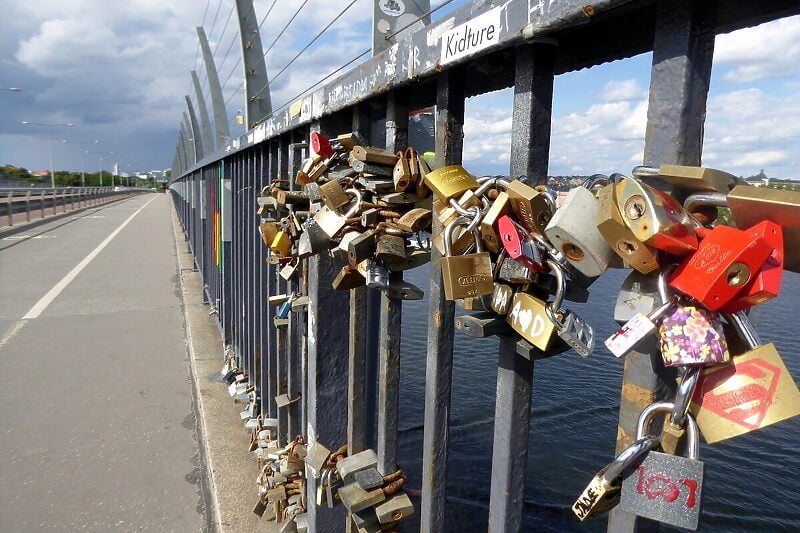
528,317
667,488
450,181
464,276
753,391
533,209
570,327
573,231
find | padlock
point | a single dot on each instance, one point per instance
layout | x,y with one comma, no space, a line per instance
690,178
396,507
412,259
533,209
320,144
513,272
281,244
333,194
501,298
362,247
528,317
460,206
637,296
500,206
314,239
618,235
349,140
603,492
373,155
421,185
268,231
468,275
766,284
656,218
414,220
570,328
289,270
753,391
573,231
413,164
726,260
641,326
751,205
401,174
692,335
310,170
377,276
403,290
284,308
390,248
667,488
675,424
450,181
518,245
332,484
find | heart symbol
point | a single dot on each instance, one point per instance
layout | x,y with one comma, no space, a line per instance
525,316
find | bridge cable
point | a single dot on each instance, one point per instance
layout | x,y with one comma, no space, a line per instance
267,14
224,28
263,58
219,6
228,51
331,23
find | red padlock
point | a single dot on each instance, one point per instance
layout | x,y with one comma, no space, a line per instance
518,245
321,145
726,260
767,283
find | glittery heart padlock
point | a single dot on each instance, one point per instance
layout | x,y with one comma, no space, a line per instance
692,335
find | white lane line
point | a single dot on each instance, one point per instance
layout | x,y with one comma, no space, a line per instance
11,332
48,298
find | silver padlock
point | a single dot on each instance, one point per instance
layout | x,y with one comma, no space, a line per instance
572,329
573,231
637,296
666,488
377,276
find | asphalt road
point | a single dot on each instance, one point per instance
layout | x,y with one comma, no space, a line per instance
97,430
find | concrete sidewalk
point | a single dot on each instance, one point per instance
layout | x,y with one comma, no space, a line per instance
231,469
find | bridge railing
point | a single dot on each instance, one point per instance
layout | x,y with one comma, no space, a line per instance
310,355
38,202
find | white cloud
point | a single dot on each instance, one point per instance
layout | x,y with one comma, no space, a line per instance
622,91
767,51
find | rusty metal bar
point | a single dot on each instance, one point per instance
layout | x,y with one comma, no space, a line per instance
439,365
530,148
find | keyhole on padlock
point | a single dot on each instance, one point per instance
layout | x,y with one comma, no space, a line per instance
737,274
572,251
635,207
626,247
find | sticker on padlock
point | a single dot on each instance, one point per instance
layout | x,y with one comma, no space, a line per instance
641,326
753,391
692,335
667,488
572,329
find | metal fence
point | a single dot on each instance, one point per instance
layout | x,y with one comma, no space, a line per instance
30,203
308,355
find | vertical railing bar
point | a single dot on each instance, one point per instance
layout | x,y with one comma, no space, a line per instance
391,312
683,51
439,360
294,385
530,148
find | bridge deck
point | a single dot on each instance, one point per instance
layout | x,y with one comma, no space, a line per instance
96,408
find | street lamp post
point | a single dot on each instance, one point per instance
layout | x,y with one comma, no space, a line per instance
101,166
83,170
49,144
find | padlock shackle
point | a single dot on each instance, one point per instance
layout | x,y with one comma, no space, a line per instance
629,456
644,171
551,308
692,432
357,206
683,395
741,323
595,180
448,234
700,199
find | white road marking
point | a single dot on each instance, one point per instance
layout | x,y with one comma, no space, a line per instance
48,298
11,332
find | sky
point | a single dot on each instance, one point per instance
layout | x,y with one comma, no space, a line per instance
119,71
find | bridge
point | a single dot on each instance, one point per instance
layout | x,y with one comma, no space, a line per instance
303,359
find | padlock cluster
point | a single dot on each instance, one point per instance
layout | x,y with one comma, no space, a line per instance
375,500
364,205
281,485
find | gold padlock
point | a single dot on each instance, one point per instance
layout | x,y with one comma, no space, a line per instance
268,230
450,181
655,218
333,194
401,173
281,245
446,212
532,207
464,276
690,178
500,206
751,205
528,317
620,238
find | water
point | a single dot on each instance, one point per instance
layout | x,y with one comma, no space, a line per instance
750,481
